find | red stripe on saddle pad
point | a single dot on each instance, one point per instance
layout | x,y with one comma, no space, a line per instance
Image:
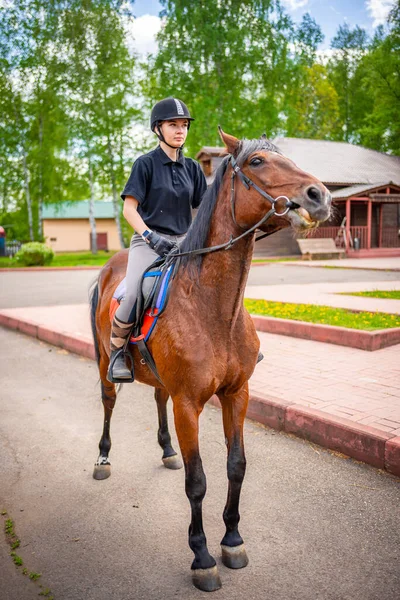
147,320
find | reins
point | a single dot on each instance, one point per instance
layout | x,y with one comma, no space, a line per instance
236,170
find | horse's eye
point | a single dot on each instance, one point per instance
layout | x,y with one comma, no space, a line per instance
255,162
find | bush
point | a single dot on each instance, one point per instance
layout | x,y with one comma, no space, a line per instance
34,254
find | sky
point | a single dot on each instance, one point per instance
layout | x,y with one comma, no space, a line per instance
329,14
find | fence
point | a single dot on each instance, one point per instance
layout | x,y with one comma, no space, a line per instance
357,231
12,248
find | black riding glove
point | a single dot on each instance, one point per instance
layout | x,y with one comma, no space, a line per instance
159,244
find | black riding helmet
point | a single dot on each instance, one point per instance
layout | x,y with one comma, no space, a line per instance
167,110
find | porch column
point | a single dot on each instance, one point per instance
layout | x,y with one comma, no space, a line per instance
348,215
380,225
369,224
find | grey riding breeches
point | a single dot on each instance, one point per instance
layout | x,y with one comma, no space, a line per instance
140,257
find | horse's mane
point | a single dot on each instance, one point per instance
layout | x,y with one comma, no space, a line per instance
197,235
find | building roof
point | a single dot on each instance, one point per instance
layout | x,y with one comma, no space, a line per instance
212,151
356,190
77,210
335,163
340,162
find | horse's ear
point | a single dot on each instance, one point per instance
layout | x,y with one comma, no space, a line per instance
230,141
263,137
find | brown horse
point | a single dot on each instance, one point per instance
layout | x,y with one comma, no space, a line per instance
205,342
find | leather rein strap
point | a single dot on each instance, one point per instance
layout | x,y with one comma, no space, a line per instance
236,170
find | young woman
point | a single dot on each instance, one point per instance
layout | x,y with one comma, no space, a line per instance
162,189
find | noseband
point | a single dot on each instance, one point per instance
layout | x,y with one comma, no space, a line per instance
248,183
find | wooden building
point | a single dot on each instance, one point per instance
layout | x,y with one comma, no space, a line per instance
365,187
66,226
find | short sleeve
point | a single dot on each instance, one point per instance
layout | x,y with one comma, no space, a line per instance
139,180
200,186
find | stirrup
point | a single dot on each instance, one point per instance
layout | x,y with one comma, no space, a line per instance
110,376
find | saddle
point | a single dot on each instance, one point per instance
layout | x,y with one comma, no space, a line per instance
152,298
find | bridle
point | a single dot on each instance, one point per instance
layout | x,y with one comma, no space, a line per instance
248,183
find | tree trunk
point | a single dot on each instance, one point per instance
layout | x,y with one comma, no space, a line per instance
27,194
40,199
92,221
114,195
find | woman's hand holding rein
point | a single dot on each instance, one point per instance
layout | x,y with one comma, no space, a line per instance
159,244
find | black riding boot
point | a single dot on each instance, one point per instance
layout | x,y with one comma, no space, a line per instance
118,371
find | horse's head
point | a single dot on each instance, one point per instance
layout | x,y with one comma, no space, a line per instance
262,163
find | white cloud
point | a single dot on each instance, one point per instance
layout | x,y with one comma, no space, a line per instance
294,4
142,33
379,10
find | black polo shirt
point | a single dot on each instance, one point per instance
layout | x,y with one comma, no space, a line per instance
166,190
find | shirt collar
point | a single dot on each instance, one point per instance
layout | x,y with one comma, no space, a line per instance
165,159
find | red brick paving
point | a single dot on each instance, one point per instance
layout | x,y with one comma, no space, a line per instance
343,398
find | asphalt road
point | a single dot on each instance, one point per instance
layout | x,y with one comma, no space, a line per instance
316,526
47,288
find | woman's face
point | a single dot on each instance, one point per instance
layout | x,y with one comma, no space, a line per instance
175,132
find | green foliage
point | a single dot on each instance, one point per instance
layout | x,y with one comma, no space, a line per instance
17,559
327,315
34,576
34,254
387,294
228,61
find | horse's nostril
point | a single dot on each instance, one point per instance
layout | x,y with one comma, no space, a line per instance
314,194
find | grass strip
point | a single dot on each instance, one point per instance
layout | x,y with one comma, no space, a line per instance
326,315
387,294
66,259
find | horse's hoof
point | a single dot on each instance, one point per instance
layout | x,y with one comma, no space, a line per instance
172,462
234,557
101,472
206,580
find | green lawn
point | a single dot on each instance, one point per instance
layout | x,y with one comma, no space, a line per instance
67,259
388,294
87,259
276,259
323,314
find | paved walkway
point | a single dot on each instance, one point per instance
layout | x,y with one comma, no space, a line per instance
301,384
383,264
315,526
357,385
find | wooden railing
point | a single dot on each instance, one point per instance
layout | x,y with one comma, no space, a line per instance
390,237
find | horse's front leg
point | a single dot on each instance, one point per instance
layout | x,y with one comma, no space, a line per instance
204,569
170,458
234,408
102,467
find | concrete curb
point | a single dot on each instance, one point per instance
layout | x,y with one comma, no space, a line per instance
342,336
364,443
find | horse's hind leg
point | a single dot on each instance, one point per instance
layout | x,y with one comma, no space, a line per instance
102,467
234,411
170,458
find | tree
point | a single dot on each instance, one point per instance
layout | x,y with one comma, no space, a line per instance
99,75
380,126
227,60
350,45
316,111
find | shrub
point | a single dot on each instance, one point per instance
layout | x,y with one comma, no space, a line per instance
34,254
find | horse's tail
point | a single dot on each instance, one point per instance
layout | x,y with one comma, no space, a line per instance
93,301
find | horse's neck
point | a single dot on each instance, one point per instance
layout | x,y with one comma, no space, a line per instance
224,273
